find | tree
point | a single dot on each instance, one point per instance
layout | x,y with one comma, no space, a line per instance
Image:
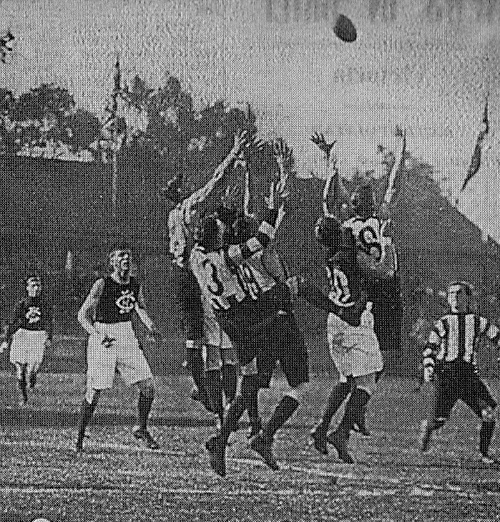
81,130
41,114
8,143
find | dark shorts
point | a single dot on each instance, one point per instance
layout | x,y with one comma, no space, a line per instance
188,299
276,339
460,383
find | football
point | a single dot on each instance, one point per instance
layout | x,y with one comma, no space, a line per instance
345,29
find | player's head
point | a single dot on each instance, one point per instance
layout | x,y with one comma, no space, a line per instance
363,200
33,285
459,296
209,232
328,232
244,227
120,258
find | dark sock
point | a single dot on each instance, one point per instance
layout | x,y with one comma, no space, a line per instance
22,386
143,408
485,435
213,385
233,415
86,412
353,410
337,396
229,381
250,393
283,411
195,362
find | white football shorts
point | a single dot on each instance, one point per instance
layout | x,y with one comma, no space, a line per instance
28,347
124,356
354,349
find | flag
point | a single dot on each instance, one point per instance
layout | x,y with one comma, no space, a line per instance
475,162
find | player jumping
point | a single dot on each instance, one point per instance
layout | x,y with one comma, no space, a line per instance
354,346
449,360
199,326
112,344
28,334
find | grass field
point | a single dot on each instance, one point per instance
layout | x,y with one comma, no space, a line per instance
118,480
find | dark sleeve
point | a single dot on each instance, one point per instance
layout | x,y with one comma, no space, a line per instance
313,295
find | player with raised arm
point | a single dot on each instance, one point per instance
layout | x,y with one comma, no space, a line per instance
370,228
113,346
199,327
449,361
254,310
353,344
28,334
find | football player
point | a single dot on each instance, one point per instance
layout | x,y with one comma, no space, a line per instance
449,361
353,344
253,309
28,334
370,228
197,324
113,346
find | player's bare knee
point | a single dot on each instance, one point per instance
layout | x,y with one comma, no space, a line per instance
250,368
366,383
296,392
488,414
20,371
146,387
438,423
92,395
194,344
229,356
213,360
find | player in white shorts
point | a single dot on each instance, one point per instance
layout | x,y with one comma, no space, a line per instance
354,346
113,345
220,362
28,334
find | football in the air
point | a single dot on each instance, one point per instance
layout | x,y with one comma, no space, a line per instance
345,29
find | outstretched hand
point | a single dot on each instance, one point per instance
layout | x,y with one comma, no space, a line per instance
282,152
278,193
245,145
231,197
319,140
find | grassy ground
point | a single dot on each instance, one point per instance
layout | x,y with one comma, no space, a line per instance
118,480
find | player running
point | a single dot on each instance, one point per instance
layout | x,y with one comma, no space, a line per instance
449,361
28,334
113,346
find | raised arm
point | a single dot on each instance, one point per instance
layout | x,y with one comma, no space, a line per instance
396,167
202,193
334,189
86,314
237,254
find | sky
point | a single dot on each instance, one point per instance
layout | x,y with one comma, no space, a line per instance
427,70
